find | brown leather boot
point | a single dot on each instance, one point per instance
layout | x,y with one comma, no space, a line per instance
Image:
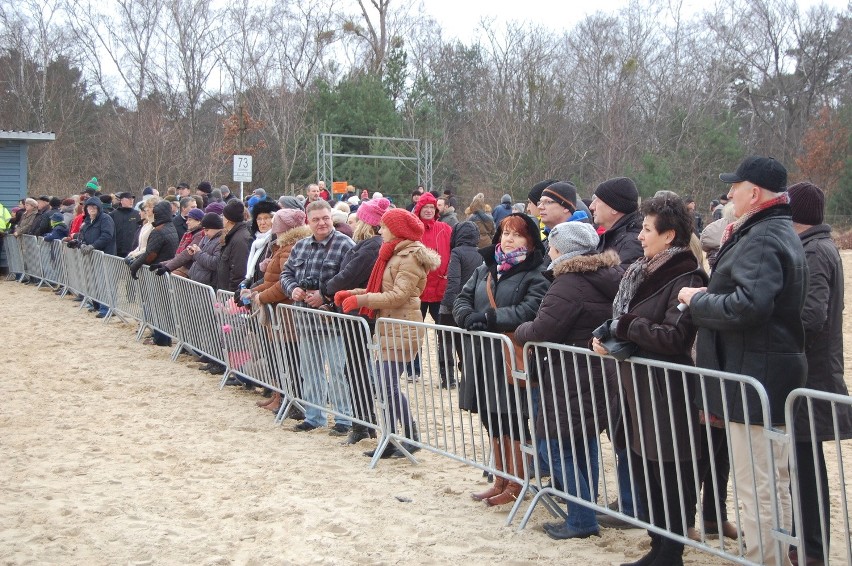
514,467
274,404
499,481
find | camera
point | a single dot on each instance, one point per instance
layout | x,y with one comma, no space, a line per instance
310,284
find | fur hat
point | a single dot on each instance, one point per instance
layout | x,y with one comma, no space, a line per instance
371,211
263,207
478,203
195,214
286,219
573,238
234,211
808,203
211,220
403,224
620,194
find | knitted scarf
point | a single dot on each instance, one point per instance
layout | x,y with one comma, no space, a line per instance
374,284
505,261
783,198
636,274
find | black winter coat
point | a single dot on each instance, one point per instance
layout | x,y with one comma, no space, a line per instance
662,332
234,256
578,301
517,295
464,259
355,267
127,223
181,226
750,319
162,241
822,317
622,238
100,232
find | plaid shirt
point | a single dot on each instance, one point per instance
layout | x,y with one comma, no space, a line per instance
310,258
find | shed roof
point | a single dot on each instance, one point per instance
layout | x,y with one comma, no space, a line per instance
16,135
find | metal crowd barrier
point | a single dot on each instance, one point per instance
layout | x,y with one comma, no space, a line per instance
52,262
825,496
327,362
32,257
14,256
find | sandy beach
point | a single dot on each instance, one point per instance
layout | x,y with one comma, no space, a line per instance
113,454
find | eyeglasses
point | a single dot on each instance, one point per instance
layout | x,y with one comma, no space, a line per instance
546,202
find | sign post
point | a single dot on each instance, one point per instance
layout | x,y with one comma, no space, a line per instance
242,171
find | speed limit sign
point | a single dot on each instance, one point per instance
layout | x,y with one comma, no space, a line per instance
242,168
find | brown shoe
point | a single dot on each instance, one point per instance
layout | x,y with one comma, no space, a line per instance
496,489
273,403
509,495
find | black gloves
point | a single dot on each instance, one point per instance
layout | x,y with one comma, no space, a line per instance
159,268
73,244
476,321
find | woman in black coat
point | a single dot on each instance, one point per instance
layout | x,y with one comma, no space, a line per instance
659,414
512,272
573,397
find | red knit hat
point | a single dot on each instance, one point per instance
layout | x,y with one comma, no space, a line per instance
403,224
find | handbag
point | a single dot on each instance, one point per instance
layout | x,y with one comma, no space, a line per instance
517,352
618,349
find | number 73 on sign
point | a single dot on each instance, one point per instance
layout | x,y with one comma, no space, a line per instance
242,168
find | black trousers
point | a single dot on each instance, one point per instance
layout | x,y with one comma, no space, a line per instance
811,472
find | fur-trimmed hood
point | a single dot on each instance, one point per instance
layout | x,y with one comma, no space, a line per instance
428,258
293,235
587,263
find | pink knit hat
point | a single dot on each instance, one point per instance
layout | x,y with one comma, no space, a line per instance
371,211
286,219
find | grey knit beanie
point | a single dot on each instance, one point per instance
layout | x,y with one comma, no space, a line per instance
572,239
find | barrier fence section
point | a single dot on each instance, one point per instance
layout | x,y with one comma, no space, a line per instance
14,256
32,257
821,502
52,262
539,426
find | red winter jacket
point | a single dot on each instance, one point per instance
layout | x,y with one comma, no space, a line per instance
437,237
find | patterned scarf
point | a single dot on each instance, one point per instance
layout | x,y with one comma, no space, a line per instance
505,261
635,275
783,198
374,284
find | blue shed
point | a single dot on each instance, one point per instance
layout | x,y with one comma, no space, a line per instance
14,150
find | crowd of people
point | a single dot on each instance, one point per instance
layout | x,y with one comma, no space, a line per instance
610,273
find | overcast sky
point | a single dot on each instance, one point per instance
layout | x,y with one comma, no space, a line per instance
460,18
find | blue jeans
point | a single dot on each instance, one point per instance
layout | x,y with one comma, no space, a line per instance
580,517
631,497
315,351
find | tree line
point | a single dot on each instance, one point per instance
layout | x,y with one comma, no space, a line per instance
153,92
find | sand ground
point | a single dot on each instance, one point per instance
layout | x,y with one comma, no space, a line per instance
112,454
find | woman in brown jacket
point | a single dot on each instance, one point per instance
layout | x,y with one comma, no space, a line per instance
393,291
659,413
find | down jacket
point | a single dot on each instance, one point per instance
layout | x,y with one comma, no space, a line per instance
402,284
163,240
270,289
205,263
578,301
822,317
623,238
100,232
662,332
517,294
750,318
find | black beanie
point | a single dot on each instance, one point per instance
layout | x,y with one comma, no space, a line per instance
205,187
620,194
211,220
535,193
234,211
563,193
808,203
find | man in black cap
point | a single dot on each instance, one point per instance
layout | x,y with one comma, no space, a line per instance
127,223
616,209
183,190
749,320
42,217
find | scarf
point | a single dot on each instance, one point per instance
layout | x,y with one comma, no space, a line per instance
258,249
636,274
783,198
374,284
506,261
